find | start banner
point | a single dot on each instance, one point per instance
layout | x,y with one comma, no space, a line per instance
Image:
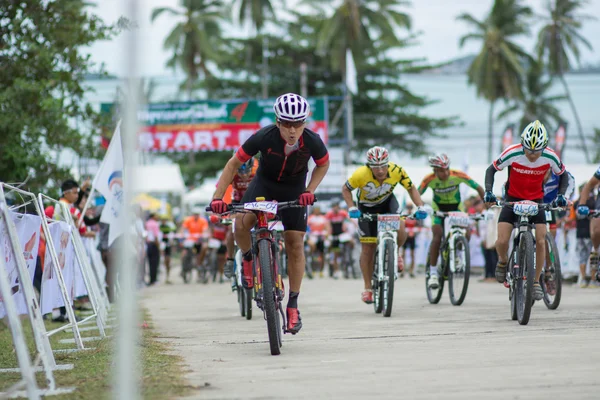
212,125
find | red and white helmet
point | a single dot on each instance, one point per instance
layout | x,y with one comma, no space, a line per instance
377,156
291,107
439,160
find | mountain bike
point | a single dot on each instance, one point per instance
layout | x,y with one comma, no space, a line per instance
552,275
520,274
268,285
386,260
244,296
344,256
595,214
455,266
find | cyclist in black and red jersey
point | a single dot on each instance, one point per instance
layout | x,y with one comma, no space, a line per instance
285,148
241,180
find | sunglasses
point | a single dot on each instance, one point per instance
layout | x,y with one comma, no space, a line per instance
384,166
533,151
291,124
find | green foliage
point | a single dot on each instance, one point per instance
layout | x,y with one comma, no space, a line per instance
193,41
42,89
385,111
536,103
497,71
559,39
597,140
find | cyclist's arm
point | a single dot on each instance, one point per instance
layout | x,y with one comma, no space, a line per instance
489,178
415,196
320,155
563,183
589,186
227,175
347,195
317,176
425,183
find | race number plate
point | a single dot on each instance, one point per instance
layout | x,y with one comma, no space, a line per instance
214,243
459,219
265,206
344,237
526,208
388,222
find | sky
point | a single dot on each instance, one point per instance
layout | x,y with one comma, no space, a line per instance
434,18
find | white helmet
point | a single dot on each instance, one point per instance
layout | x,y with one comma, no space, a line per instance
439,160
377,156
534,136
291,107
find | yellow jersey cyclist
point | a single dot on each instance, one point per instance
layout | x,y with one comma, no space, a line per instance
445,184
527,162
375,182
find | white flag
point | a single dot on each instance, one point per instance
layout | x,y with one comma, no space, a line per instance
109,182
351,83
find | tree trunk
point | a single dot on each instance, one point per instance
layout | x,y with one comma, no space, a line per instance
577,121
491,131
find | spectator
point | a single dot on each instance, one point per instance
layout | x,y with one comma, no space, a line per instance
153,249
488,247
584,241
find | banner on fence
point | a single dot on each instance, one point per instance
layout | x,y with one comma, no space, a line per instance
28,233
508,136
560,137
212,125
51,296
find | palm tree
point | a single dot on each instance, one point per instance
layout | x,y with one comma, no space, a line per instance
558,43
258,11
194,40
536,103
496,72
361,26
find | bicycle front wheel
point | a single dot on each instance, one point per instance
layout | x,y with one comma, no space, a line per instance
433,295
390,275
458,280
524,277
552,278
265,257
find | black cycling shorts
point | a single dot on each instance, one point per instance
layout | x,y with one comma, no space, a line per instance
197,248
368,229
167,251
222,249
410,243
293,219
507,214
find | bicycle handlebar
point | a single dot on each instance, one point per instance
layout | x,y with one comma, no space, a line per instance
373,216
231,208
541,206
444,214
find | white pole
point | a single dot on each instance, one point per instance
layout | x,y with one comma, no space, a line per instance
15,327
126,378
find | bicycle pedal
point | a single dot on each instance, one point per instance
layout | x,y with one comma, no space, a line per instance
506,284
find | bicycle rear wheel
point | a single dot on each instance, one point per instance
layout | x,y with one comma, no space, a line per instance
390,273
524,277
458,281
308,269
377,287
434,295
265,257
241,298
552,278
247,294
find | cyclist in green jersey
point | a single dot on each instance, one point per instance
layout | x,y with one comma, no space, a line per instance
444,182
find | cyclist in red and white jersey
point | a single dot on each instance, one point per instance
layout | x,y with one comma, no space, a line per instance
337,218
528,163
